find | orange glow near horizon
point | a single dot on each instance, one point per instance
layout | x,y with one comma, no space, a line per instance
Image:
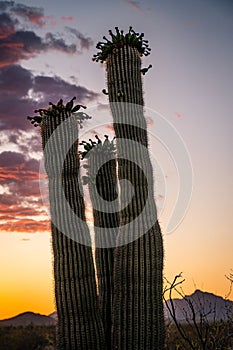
26,274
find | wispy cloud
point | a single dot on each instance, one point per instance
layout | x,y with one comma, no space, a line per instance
136,5
149,121
55,43
34,15
25,226
85,42
110,128
178,115
67,18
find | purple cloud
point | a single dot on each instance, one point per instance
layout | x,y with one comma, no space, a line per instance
34,15
16,83
7,25
21,199
15,80
21,92
21,44
55,88
85,43
58,44
10,159
16,43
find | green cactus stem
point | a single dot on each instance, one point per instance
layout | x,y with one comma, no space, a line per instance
102,181
138,319
79,323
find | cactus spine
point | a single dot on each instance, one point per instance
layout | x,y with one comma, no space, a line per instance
79,322
138,320
102,181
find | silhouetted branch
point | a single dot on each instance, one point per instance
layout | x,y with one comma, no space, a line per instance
199,330
172,311
230,278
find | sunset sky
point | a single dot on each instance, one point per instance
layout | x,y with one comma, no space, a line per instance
45,54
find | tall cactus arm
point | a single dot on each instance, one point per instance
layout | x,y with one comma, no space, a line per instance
102,181
79,322
138,320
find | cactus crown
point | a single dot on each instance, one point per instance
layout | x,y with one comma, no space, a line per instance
54,110
118,40
97,146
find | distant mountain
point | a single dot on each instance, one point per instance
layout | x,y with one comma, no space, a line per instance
54,315
208,305
214,307
28,318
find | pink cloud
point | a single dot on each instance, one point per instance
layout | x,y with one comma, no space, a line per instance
149,121
35,19
50,20
26,225
34,15
109,127
67,18
179,116
134,4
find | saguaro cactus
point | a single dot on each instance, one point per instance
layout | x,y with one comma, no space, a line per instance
79,323
138,320
101,177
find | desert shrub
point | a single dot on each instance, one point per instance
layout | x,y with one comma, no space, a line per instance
27,338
